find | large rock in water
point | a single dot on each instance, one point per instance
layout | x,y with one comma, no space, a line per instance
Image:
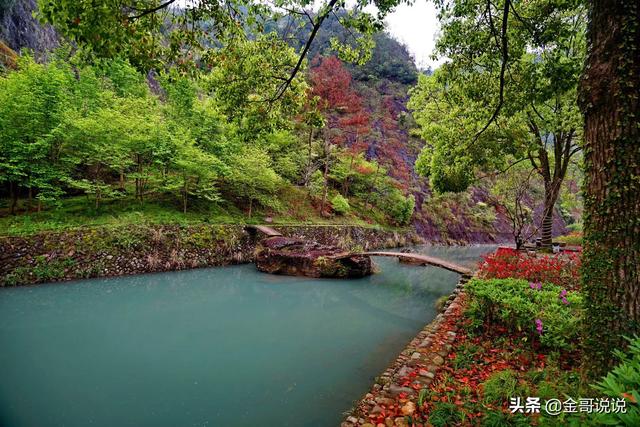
296,257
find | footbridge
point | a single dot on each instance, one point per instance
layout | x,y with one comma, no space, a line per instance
419,259
270,232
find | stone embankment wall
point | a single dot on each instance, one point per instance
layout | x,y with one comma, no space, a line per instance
116,251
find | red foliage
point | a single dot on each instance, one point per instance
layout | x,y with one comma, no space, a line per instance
560,269
340,103
332,84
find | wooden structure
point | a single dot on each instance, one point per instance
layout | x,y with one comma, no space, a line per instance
419,259
270,232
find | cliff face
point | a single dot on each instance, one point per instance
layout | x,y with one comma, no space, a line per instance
20,30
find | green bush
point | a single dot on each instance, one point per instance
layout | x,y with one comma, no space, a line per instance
501,419
340,205
400,208
538,312
500,386
445,414
623,382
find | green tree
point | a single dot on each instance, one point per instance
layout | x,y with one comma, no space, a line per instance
252,178
528,77
193,172
33,101
513,191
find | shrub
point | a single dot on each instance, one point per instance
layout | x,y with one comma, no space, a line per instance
340,205
574,238
445,414
501,419
541,310
561,269
623,382
500,386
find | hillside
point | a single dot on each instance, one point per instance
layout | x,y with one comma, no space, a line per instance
358,169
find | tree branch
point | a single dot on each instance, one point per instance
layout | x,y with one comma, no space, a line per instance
319,20
503,68
153,10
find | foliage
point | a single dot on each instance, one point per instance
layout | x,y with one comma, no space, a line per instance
514,192
574,238
32,103
340,204
400,208
445,414
623,382
500,386
562,269
501,419
545,311
527,76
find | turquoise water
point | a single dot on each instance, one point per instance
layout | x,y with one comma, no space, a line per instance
210,347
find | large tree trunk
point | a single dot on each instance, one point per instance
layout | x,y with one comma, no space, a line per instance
609,98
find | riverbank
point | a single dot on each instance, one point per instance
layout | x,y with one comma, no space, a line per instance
390,400
135,249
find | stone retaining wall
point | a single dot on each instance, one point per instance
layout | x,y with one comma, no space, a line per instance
116,251
413,370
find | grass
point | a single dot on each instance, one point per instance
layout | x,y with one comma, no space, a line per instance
572,239
74,212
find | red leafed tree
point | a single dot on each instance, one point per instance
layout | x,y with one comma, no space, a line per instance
347,121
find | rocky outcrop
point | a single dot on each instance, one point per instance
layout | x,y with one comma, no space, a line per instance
19,29
297,257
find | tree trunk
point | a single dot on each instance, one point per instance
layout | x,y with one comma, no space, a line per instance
610,103
307,175
14,196
122,179
326,186
29,198
547,216
345,182
373,187
184,197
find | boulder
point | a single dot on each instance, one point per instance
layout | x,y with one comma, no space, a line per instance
297,257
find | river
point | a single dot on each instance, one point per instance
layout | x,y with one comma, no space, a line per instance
210,347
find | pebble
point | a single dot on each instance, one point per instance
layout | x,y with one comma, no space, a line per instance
376,410
404,371
415,355
401,422
438,360
425,373
385,401
408,409
396,389
352,420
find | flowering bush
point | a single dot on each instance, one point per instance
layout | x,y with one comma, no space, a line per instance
545,311
560,269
